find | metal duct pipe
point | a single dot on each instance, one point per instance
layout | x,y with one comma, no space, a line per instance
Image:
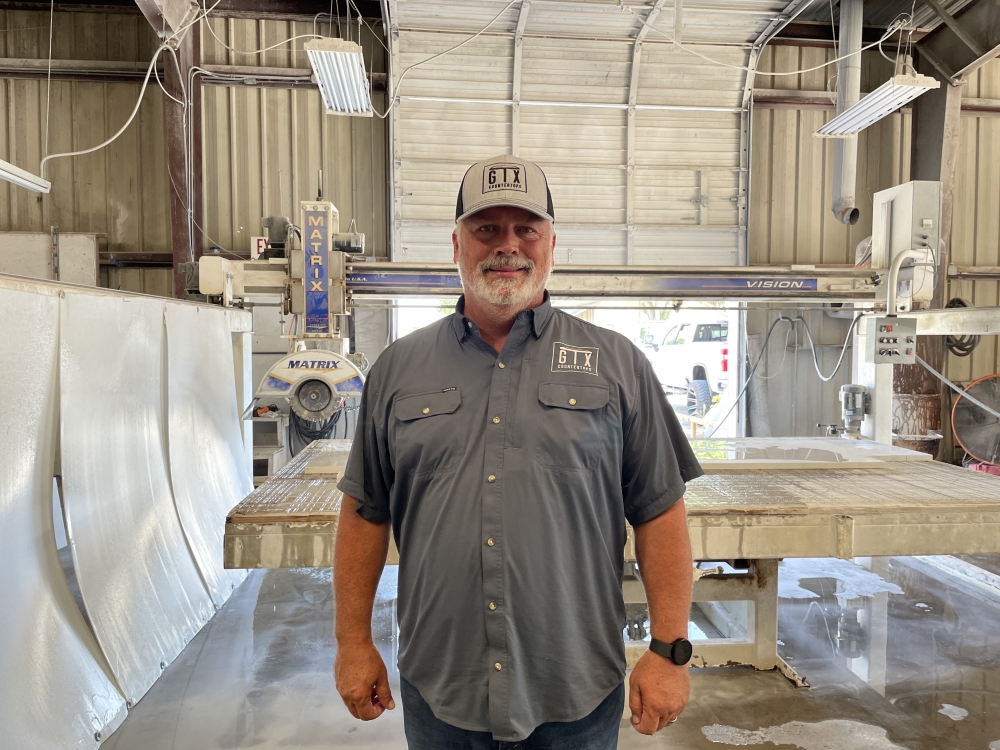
845,150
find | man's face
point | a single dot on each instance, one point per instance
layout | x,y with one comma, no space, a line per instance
504,255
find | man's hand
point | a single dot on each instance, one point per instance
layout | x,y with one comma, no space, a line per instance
658,692
362,681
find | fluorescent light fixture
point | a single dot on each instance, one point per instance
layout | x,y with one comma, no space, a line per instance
883,101
25,179
339,69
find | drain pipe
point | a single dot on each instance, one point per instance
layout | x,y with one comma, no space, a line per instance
845,150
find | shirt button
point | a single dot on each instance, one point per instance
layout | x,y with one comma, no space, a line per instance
497,667
493,606
490,542
501,365
496,420
491,479
572,402
426,410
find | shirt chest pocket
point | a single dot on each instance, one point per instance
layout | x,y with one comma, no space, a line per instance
574,429
426,431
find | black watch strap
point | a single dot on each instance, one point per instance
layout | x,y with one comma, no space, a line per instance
679,652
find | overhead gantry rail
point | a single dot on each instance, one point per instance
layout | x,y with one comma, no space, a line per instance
770,283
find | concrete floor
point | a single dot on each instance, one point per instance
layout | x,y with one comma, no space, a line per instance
918,670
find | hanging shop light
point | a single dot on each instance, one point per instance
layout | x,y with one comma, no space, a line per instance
339,69
880,103
25,179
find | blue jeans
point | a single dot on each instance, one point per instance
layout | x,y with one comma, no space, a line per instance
598,731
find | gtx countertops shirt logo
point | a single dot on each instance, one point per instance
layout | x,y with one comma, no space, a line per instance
504,177
570,358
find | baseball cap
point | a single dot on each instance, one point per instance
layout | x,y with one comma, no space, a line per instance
504,181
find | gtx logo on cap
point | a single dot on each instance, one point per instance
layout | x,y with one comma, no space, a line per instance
504,177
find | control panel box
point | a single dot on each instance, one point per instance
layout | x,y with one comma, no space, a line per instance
891,341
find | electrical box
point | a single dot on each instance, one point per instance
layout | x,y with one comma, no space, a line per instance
908,217
891,341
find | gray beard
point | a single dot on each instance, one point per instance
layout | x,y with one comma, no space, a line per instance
505,293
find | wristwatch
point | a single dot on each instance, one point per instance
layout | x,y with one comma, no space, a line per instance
679,652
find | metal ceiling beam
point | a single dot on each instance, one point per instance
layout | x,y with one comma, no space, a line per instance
633,90
515,113
799,99
964,42
956,27
276,10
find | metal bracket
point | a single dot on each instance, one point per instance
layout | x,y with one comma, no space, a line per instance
54,234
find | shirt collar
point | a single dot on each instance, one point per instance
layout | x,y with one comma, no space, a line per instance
540,316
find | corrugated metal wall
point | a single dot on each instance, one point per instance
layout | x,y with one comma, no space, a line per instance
791,221
262,147
122,190
791,174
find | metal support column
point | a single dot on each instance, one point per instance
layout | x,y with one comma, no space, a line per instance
184,156
934,154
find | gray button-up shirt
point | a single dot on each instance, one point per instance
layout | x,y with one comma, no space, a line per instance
508,480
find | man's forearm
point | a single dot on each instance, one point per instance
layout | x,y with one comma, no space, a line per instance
663,551
359,558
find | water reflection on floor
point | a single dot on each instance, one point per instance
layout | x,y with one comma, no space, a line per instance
918,670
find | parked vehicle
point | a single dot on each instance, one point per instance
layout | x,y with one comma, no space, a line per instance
692,357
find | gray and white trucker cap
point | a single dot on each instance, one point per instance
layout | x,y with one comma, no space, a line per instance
504,181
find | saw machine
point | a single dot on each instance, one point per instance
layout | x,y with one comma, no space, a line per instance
306,394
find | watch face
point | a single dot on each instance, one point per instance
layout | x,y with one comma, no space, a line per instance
682,652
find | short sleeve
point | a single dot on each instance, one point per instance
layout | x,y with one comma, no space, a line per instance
369,475
657,459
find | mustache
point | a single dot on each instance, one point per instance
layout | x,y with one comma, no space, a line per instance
506,263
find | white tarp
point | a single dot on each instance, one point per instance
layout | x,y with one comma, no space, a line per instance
140,585
208,465
54,693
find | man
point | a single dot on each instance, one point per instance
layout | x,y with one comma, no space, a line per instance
506,446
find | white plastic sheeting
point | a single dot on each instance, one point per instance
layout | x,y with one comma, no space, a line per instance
208,465
54,693
141,588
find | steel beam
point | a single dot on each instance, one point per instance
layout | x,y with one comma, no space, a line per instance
934,153
959,321
183,130
793,99
515,89
388,280
965,41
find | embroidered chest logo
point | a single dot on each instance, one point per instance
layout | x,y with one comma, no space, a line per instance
570,358
504,177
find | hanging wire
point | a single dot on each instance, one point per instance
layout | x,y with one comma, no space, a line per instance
960,346
48,77
395,92
893,27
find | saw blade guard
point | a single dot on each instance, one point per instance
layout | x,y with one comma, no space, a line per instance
311,383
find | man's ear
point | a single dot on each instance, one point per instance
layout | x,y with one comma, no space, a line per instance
454,245
553,248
